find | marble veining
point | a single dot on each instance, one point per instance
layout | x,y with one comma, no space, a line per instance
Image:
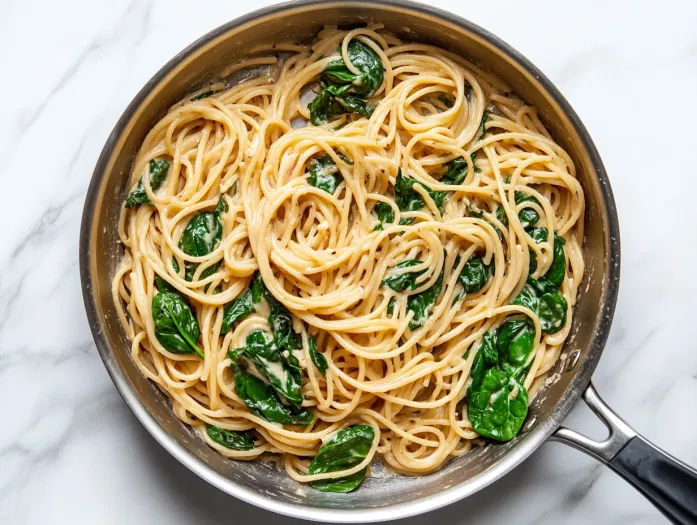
70,450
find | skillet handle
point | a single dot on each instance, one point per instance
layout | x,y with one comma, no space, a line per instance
665,481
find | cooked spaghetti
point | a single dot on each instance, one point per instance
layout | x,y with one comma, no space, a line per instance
370,249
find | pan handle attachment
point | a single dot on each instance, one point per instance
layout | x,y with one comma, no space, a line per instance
665,481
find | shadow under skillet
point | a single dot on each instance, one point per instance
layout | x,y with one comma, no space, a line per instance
203,503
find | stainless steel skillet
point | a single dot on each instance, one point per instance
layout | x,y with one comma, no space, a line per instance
669,484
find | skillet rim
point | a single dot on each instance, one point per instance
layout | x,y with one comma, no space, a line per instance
534,438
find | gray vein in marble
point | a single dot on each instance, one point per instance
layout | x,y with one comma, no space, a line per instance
8,299
44,225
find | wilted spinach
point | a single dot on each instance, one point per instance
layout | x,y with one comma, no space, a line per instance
422,303
316,357
280,369
232,439
474,275
342,91
261,399
550,307
324,173
457,170
403,281
345,450
273,359
385,214
554,277
176,327
408,199
497,401
157,169
201,236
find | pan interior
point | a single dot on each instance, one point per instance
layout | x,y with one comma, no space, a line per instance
263,482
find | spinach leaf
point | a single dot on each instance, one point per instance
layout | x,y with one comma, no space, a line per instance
552,312
474,275
284,376
390,306
497,401
527,216
385,214
403,281
409,199
515,340
342,91
364,59
497,406
158,169
528,298
422,303
237,309
323,107
201,236
345,450
164,286
550,308
317,357
457,170
280,319
260,398
324,174
554,277
230,438
176,327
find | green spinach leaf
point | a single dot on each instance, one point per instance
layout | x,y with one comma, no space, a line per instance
497,406
457,170
552,312
403,281
176,327
324,174
342,91
261,399
231,439
515,341
157,169
317,357
408,199
345,450
385,214
497,401
554,277
422,303
279,369
527,216
474,275
237,309
201,236
550,308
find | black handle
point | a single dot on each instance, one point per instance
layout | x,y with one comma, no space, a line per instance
670,485
666,482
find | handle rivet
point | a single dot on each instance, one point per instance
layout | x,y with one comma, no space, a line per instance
529,423
573,360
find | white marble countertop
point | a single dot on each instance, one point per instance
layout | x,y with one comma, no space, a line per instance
71,451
